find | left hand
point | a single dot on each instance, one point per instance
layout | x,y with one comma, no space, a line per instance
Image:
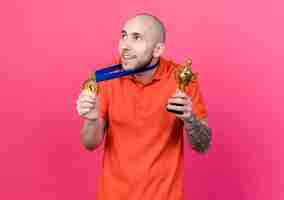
185,105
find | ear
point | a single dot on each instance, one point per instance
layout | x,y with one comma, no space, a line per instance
159,50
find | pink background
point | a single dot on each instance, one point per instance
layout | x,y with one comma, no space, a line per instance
49,47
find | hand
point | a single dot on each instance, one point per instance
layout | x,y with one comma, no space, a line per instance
181,102
88,106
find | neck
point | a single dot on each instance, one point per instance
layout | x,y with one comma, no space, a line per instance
146,77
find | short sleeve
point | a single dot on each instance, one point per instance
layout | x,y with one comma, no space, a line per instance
198,105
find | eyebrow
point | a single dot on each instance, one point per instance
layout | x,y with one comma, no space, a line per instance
134,33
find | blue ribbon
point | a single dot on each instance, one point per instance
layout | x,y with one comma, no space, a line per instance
116,71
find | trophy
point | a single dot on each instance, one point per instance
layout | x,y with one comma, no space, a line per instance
183,77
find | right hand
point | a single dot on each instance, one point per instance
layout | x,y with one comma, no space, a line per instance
88,106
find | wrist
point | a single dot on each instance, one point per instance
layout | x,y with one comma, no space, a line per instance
190,120
91,121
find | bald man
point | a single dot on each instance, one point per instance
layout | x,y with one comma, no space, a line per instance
143,151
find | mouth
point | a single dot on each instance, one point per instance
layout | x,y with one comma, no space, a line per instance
127,57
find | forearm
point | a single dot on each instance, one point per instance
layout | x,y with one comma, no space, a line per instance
92,133
198,134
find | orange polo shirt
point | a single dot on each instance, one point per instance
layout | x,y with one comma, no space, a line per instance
143,152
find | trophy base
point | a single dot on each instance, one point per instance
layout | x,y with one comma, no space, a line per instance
175,111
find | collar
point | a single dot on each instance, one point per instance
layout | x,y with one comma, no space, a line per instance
161,70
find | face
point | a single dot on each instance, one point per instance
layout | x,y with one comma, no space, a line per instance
138,44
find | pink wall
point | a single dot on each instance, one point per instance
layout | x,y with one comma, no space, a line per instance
48,47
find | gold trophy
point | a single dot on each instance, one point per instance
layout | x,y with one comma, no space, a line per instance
90,85
183,77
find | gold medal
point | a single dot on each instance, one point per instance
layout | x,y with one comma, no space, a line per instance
90,85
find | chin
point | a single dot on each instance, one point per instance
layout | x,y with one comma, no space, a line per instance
128,65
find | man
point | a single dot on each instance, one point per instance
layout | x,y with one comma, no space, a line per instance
143,152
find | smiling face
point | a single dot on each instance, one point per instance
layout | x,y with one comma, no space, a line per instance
141,43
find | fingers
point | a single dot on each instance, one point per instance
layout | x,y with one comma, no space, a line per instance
83,108
181,99
82,112
181,108
85,103
183,111
87,98
181,102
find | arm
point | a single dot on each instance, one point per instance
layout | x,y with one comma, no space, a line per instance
198,133
93,130
92,133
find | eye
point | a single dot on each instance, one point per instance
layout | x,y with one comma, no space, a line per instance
137,37
123,36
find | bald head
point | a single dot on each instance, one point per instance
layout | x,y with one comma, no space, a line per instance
142,41
152,23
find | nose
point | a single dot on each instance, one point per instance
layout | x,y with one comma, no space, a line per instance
125,45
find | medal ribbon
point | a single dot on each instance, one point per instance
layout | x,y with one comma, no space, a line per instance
116,71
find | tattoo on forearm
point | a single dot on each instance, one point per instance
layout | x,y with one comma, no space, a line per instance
199,135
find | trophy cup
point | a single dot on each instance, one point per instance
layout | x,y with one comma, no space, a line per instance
183,77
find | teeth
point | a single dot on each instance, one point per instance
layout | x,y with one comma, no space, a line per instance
127,56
